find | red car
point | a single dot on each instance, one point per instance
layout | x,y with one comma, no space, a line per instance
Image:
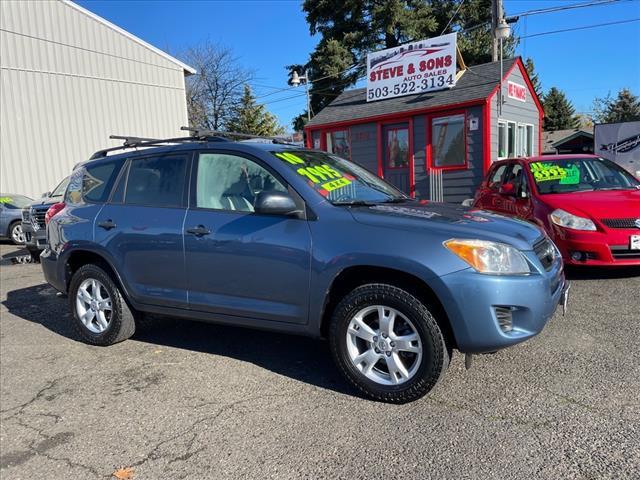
588,205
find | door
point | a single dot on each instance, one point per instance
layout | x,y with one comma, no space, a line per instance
239,262
489,197
515,199
396,158
142,229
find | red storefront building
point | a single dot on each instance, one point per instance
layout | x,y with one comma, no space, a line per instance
436,145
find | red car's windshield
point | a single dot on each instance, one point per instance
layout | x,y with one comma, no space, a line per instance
580,175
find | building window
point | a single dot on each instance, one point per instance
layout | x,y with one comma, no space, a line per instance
529,150
448,142
338,143
511,139
397,147
502,140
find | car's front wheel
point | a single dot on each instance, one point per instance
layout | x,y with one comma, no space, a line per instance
101,315
387,343
17,234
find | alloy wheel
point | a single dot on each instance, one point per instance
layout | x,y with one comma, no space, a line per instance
93,304
384,345
17,234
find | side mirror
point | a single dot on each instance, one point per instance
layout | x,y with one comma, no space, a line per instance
46,194
508,189
275,203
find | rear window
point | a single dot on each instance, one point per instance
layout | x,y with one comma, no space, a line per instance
92,183
157,181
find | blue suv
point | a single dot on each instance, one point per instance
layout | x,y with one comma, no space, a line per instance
278,237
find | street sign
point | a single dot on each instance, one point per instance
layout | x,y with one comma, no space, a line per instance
423,66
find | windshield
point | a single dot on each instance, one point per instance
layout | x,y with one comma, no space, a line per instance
580,175
338,180
14,201
60,189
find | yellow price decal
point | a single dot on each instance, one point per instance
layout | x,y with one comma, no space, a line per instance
323,172
544,172
290,157
6,199
336,184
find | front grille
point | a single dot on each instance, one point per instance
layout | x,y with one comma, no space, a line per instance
37,217
545,250
620,222
505,318
622,252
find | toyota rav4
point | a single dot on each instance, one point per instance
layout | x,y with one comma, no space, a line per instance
279,237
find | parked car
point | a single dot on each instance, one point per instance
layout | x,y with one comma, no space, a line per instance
588,205
11,215
33,224
282,238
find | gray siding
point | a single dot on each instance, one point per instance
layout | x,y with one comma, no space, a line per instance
420,156
458,185
364,146
515,111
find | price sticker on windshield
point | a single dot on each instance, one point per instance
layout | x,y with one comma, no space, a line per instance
544,172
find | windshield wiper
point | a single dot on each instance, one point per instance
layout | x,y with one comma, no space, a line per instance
396,200
355,203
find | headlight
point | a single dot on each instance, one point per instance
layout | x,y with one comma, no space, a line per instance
25,214
490,257
568,220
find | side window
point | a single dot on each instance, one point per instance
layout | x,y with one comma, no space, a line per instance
495,180
74,189
98,181
517,178
156,181
229,182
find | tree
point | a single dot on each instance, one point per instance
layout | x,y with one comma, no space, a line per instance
351,28
216,88
252,118
624,108
559,114
533,76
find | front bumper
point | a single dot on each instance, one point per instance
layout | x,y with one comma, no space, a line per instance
473,302
597,249
34,239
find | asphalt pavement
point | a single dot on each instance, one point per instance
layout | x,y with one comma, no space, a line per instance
193,400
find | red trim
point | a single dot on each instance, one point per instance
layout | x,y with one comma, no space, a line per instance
486,136
429,159
391,117
540,133
412,167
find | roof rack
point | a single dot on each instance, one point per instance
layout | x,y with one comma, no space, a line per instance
205,133
141,142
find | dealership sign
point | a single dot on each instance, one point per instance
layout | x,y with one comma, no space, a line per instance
517,91
412,68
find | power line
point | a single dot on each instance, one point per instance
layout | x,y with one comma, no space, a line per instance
452,17
596,3
582,28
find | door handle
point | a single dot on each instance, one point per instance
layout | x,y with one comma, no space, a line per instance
107,224
198,231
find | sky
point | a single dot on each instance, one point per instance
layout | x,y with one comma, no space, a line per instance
267,35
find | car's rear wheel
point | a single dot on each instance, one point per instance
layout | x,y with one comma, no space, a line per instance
101,315
387,343
17,234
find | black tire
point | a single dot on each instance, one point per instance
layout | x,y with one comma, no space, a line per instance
435,355
35,254
122,323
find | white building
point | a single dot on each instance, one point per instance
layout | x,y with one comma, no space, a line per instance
68,80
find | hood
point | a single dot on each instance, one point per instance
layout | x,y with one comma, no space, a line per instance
44,201
598,204
450,221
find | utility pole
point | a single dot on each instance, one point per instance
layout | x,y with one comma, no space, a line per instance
496,14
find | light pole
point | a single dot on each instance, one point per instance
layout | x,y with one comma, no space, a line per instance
295,81
502,31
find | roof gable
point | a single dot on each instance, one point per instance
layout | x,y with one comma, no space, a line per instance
130,36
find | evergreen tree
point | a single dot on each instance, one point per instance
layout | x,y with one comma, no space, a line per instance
559,114
351,28
533,76
252,118
624,108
